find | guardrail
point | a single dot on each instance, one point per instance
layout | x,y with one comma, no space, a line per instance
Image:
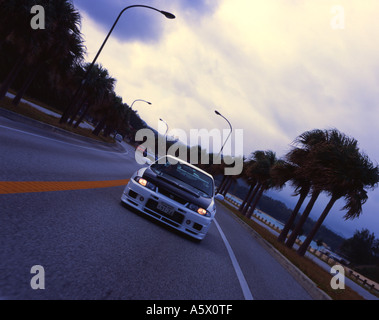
357,277
365,282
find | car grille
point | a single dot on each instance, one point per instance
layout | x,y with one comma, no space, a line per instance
176,216
171,195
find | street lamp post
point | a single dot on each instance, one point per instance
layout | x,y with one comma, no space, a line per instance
168,15
165,137
165,124
231,129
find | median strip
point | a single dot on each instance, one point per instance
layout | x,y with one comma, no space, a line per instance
9,187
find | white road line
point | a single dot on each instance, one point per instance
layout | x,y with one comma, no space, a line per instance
60,141
241,278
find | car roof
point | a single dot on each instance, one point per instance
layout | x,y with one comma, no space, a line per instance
186,163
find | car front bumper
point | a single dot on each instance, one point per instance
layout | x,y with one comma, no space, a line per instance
149,202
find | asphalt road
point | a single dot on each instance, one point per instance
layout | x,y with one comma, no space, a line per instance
91,247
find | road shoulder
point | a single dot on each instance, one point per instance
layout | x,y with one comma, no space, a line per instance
312,289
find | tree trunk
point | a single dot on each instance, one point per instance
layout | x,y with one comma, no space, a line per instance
80,120
32,74
66,114
73,102
256,200
283,235
303,248
12,75
107,131
243,204
100,126
291,240
227,186
75,113
222,183
250,200
76,108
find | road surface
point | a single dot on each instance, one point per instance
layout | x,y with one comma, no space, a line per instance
92,247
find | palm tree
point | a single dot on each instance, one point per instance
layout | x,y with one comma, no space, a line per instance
301,156
250,180
64,47
112,106
288,170
225,185
8,11
346,173
116,117
25,40
283,172
250,172
248,197
256,163
299,226
99,85
265,160
61,40
15,16
226,180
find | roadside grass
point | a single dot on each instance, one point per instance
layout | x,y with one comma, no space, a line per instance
30,112
313,271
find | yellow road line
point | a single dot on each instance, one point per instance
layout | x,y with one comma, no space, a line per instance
8,187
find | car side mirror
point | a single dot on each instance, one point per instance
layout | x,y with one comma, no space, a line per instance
219,197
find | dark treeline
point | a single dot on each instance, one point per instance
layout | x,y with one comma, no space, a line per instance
320,162
48,65
279,211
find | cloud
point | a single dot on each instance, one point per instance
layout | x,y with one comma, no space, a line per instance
274,68
142,24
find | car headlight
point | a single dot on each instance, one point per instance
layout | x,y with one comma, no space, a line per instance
143,182
202,211
199,210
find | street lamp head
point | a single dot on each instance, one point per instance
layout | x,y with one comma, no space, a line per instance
168,15
218,113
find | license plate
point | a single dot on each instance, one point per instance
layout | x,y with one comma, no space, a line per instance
165,208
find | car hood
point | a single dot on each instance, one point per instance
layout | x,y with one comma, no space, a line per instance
182,193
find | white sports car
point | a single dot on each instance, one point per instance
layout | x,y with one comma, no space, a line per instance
175,193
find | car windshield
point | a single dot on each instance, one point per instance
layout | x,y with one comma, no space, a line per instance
187,174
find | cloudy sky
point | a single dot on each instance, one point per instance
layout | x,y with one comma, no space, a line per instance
274,68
